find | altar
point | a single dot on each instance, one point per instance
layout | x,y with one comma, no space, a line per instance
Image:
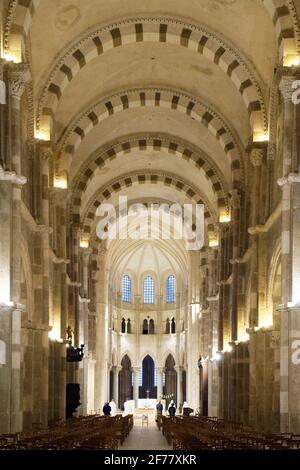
147,403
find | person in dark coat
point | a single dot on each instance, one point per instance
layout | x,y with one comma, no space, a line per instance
159,409
172,410
106,409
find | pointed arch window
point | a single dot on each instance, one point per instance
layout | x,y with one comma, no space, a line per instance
126,289
148,294
171,289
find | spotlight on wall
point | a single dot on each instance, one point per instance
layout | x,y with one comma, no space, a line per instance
291,61
10,56
259,136
217,356
84,243
42,135
224,218
213,243
60,182
54,336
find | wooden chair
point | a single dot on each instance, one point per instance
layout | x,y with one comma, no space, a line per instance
145,420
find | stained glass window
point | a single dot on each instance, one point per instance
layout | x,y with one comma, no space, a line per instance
171,288
148,290
126,289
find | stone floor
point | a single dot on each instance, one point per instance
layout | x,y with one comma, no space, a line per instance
143,437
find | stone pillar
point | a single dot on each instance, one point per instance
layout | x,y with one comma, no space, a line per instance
136,386
256,160
83,328
116,371
179,371
159,373
18,77
290,270
11,183
286,91
103,357
192,342
235,223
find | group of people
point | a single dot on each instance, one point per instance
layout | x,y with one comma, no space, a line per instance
183,409
110,408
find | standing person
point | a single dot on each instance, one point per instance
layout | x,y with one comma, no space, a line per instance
113,407
186,409
159,410
172,410
106,409
172,403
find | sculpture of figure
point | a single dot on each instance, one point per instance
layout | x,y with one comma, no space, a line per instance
69,332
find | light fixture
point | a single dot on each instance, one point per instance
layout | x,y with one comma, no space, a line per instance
11,57
217,356
84,243
213,243
60,182
54,336
42,135
224,218
291,60
259,136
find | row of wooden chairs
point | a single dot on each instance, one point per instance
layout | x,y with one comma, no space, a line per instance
89,432
197,433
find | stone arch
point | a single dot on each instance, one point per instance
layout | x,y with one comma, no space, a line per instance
166,354
284,17
148,353
174,100
159,30
160,143
128,354
129,180
283,14
170,387
125,381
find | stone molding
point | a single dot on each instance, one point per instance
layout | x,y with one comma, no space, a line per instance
12,176
290,179
270,222
27,217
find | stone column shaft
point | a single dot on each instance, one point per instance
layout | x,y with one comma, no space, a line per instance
136,385
179,371
116,371
159,372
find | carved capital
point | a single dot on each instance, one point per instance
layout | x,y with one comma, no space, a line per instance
19,76
256,157
46,153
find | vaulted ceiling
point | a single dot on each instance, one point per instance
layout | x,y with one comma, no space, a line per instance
136,88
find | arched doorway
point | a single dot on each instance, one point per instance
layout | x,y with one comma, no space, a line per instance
170,387
125,382
148,387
